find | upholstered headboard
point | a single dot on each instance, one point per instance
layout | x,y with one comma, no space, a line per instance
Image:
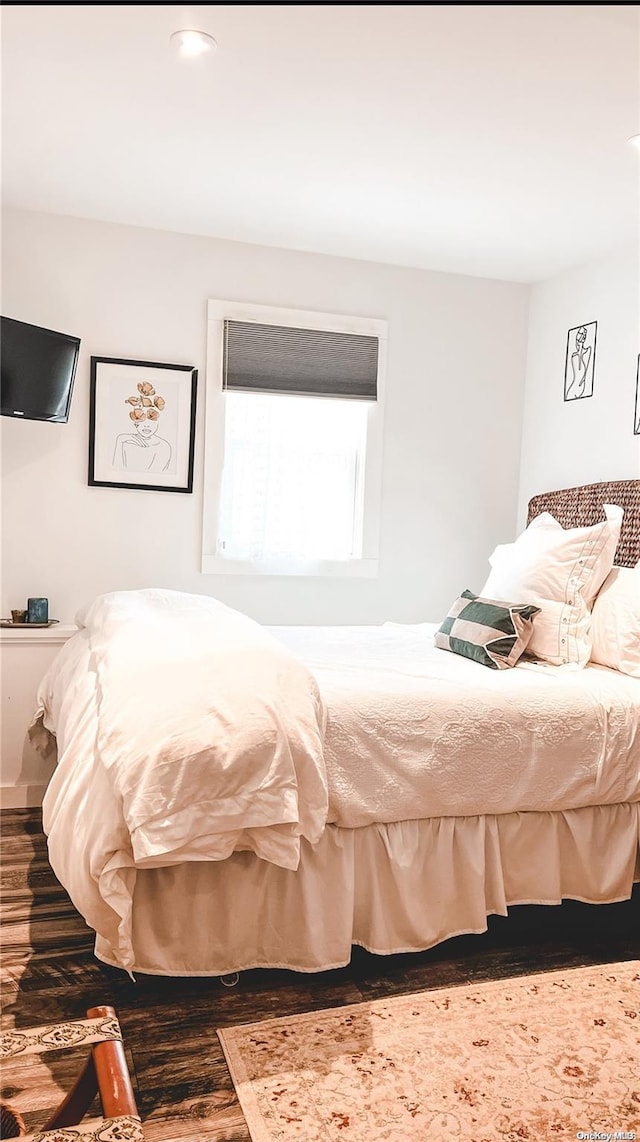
579,507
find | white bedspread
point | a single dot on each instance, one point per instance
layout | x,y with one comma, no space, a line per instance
416,732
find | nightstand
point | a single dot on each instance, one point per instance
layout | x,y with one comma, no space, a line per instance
25,657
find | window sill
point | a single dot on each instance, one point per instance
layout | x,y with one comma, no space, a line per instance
320,569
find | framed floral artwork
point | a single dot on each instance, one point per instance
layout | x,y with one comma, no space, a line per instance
142,425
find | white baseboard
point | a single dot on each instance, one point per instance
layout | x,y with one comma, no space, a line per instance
21,796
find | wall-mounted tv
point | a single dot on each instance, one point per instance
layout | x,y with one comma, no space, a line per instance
37,371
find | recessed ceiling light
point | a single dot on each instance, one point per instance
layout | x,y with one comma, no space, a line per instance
635,139
190,42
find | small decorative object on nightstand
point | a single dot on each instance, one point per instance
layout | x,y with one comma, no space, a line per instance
37,610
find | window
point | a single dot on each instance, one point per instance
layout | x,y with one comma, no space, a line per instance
292,482
292,478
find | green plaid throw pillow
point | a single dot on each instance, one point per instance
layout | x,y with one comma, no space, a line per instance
490,632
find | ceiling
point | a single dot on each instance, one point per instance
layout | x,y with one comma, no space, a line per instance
481,139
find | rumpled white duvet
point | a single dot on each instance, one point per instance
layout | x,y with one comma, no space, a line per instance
185,731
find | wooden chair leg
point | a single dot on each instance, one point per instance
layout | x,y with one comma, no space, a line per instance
105,1073
112,1072
77,1102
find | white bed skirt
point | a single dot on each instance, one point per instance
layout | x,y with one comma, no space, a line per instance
389,888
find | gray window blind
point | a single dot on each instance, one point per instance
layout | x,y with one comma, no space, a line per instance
307,362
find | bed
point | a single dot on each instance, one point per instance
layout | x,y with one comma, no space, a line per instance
417,793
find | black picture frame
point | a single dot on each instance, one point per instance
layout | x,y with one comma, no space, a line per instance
580,361
126,449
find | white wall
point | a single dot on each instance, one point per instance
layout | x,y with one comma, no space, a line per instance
453,419
582,441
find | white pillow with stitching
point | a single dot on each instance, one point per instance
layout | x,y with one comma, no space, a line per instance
561,571
616,621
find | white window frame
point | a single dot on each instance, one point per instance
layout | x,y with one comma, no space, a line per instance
213,562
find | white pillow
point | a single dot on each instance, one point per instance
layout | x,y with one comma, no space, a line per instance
560,571
616,621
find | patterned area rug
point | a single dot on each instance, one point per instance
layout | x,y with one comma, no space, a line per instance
544,1057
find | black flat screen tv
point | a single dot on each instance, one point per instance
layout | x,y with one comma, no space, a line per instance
37,371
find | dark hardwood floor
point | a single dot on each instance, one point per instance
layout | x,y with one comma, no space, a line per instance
181,1081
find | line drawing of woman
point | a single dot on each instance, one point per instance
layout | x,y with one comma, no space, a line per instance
143,450
580,359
